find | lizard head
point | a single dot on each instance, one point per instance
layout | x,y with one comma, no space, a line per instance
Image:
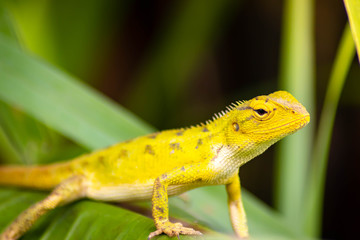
263,120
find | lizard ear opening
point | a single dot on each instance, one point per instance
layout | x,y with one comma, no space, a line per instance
236,126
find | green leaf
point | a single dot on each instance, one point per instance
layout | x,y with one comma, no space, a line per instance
29,140
209,207
6,26
32,141
315,192
42,25
52,97
297,77
353,10
7,150
81,220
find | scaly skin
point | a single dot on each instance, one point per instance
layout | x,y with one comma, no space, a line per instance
166,163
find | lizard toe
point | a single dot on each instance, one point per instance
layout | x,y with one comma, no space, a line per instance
173,229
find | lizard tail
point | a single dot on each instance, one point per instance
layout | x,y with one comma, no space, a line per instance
40,177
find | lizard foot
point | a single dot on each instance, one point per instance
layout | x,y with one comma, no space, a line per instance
5,237
8,235
173,229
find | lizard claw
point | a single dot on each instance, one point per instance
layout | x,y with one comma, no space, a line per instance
173,229
153,234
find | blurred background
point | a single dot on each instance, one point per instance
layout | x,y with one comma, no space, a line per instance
175,63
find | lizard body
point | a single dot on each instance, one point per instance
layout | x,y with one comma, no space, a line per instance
165,163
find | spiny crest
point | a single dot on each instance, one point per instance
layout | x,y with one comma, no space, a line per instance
237,104
216,116
196,126
228,109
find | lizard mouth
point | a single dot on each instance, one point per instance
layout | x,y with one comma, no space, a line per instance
295,125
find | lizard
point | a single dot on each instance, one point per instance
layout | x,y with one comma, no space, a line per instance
166,163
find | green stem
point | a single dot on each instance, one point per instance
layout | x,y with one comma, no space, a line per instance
315,192
297,77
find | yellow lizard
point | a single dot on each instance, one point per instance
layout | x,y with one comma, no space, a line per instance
165,163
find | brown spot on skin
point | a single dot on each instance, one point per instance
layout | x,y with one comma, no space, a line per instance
205,129
199,180
149,150
123,153
217,152
101,159
128,141
164,176
159,209
243,108
267,99
84,164
175,146
200,142
219,149
249,118
70,167
182,168
153,135
180,133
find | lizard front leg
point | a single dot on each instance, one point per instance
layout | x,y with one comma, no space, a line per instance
189,174
67,191
236,208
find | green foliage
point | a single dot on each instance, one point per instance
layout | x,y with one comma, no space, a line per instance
297,77
60,94
353,9
301,205
83,220
39,104
316,180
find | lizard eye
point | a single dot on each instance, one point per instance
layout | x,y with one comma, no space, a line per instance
261,111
